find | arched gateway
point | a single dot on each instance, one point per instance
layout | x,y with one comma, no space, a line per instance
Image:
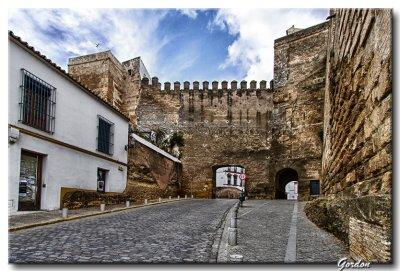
228,180
283,177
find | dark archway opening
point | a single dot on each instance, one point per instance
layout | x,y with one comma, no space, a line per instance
228,181
283,177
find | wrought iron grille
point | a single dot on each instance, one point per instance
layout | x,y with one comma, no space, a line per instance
37,103
105,138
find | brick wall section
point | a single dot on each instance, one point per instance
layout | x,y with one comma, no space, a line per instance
297,119
369,241
357,158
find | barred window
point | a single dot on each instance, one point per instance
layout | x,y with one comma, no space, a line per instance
105,136
37,103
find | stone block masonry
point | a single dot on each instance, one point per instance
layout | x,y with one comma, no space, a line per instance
220,125
369,241
325,117
263,127
298,102
357,148
357,157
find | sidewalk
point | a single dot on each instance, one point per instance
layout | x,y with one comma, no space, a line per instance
32,219
278,231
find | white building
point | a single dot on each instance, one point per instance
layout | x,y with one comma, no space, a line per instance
291,190
231,176
60,134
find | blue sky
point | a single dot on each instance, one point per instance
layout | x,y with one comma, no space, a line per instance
175,44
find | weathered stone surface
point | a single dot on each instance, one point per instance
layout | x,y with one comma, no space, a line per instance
358,101
151,175
333,214
357,155
297,119
219,128
368,241
83,198
330,101
256,128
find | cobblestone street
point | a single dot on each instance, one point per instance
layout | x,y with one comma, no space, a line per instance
178,232
263,235
174,232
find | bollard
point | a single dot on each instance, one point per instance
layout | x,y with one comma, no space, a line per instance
102,207
236,258
235,215
159,200
169,197
179,197
233,222
127,203
145,201
232,236
65,213
192,196
185,196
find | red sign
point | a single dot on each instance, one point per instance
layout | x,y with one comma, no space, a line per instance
242,176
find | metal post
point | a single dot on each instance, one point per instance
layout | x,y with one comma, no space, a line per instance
232,236
65,213
102,207
185,196
159,200
127,203
233,222
192,196
179,197
235,212
145,201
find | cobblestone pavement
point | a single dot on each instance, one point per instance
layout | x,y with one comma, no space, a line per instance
263,233
176,232
26,218
43,216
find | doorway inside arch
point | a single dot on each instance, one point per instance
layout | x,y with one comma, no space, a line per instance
286,182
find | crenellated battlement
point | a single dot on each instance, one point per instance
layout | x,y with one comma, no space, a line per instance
205,86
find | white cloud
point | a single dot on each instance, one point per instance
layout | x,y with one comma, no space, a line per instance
190,12
256,29
63,33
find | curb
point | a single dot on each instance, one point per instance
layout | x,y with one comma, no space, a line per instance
223,247
59,220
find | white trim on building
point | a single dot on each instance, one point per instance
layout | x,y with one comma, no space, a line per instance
154,148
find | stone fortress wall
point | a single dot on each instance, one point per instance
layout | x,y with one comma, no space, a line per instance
297,118
220,125
263,127
326,116
357,152
150,175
